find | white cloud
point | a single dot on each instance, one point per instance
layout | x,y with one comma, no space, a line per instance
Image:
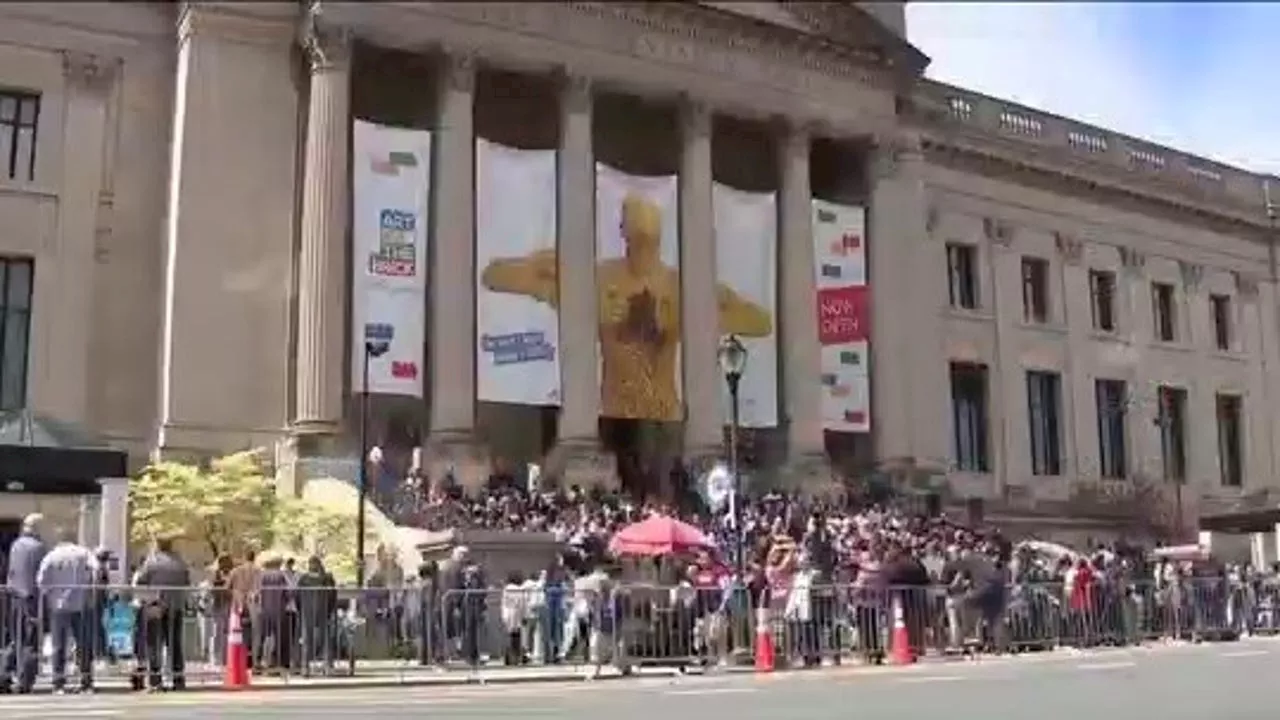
1092,62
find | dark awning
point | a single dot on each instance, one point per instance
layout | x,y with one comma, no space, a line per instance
48,456
1239,523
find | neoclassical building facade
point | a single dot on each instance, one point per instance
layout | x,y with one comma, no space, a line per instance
1064,321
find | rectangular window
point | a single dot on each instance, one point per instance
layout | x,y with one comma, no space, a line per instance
1171,418
1164,319
1102,292
1230,440
969,416
15,327
1112,398
962,275
19,115
1035,289
1220,307
1044,396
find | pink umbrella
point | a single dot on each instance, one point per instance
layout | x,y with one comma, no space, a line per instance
658,535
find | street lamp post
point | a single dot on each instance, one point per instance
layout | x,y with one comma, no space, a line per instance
732,356
373,348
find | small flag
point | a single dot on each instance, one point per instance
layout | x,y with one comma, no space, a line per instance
831,271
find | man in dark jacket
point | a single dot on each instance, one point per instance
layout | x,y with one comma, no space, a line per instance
162,591
275,597
21,654
317,598
908,581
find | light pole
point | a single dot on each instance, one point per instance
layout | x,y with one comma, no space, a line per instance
373,348
732,356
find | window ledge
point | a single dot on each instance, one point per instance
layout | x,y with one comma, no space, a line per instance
1172,346
1051,327
978,315
1230,355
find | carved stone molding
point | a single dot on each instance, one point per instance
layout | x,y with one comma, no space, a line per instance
998,231
576,91
695,117
327,47
1132,260
1070,248
460,69
1191,273
1246,286
931,218
89,72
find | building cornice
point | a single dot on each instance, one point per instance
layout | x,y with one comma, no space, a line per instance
985,134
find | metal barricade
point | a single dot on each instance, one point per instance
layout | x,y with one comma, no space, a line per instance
150,637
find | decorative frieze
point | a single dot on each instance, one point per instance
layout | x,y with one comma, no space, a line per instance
998,231
931,218
1070,248
1132,260
1191,273
1246,286
327,47
89,72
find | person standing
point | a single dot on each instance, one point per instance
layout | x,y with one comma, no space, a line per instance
21,655
317,598
168,577
66,579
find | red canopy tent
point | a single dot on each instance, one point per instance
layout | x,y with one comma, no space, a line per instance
659,535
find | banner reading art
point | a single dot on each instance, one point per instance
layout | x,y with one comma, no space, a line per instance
638,288
517,289
390,184
746,228
839,245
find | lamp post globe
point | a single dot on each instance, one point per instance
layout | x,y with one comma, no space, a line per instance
732,356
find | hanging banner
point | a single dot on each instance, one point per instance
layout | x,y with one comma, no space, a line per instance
390,186
839,245
517,286
638,286
746,228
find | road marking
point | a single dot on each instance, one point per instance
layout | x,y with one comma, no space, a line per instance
1105,665
710,691
1244,653
67,712
931,679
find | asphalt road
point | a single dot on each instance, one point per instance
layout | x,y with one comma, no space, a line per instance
1221,682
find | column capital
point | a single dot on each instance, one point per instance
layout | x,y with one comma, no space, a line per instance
796,134
89,72
575,89
695,117
327,47
460,69
890,151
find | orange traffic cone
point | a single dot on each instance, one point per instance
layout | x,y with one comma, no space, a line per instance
764,642
237,671
900,651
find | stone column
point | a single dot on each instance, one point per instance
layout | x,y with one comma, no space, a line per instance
322,281
700,320
801,356
452,310
113,524
579,459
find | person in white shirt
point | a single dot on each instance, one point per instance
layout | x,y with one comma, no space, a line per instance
66,577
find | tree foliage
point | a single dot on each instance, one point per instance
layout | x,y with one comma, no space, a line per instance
230,505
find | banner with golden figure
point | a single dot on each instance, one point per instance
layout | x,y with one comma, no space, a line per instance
746,228
840,272
517,293
638,286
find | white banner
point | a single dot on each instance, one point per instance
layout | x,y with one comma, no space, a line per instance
638,283
390,186
746,227
517,326
839,248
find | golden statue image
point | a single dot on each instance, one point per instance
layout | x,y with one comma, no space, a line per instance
639,313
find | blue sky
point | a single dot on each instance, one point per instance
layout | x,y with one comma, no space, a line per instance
1200,77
